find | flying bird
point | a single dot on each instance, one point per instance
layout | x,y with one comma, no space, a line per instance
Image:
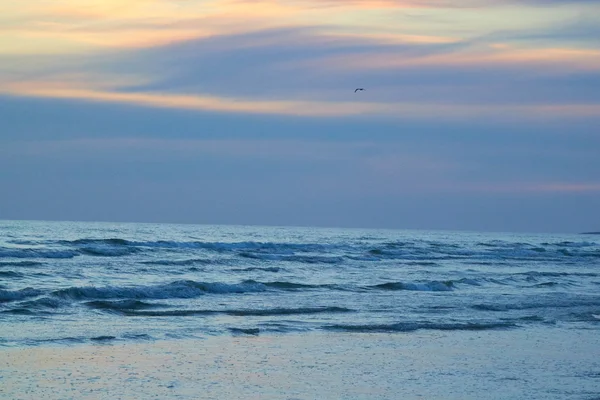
357,89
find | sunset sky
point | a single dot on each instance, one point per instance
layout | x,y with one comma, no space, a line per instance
477,114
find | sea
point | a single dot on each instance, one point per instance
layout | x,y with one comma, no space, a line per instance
68,284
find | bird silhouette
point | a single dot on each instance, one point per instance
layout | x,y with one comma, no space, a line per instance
357,89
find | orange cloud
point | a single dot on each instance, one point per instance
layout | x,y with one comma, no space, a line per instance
582,59
193,102
393,38
104,9
68,26
62,26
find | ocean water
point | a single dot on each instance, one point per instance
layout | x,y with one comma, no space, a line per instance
64,283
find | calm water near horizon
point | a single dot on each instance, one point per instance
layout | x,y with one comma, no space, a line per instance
78,282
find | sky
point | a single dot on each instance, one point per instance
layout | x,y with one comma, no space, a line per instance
476,115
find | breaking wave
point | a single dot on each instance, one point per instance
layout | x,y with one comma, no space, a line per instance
433,286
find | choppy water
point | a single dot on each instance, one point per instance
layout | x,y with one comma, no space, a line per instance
83,282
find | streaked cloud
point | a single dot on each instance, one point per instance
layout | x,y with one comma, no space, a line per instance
66,26
313,74
496,55
303,108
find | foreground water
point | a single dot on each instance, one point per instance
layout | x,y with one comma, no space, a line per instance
525,364
63,283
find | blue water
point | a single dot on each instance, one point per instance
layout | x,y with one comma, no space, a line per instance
71,282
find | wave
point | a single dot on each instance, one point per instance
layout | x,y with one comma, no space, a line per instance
36,253
421,255
571,244
293,258
123,305
249,269
82,339
216,246
432,286
315,259
423,263
11,274
44,302
414,326
183,289
586,316
108,251
293,286
468,281
85,242
14,295
71,340
276,251
566,303
288,285
557,274
289,311
545,285
113,247
18,311
103,338
137,336
428,251
245,331
178,289
363,258
192,261
41,306
532,318
239,313
424,253
104,247
542,245
20,264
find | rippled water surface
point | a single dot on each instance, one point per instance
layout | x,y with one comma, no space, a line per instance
84,282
